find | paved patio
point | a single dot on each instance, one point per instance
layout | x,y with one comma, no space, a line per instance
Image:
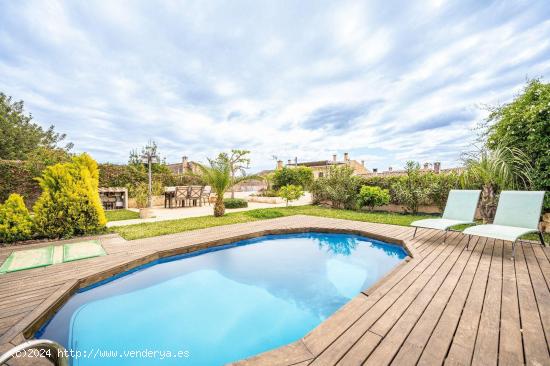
445,305
165,214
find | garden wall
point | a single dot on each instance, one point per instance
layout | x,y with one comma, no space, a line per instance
157,201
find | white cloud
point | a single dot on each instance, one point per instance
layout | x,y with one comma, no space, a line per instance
204,77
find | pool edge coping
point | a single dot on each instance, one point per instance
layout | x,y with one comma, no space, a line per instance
289,354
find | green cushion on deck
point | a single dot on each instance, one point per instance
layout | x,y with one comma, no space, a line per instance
82,250
27,259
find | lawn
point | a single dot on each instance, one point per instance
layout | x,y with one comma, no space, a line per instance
147,230
118,215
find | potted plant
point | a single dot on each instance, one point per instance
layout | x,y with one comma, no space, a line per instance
140,195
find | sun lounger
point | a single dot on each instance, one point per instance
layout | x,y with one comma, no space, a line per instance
460,209
518,213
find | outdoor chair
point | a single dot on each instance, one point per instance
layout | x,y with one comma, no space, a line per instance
195,195
459,210
518,213
182,193
205,197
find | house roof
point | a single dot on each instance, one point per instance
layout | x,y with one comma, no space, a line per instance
319,163
400,172
265,172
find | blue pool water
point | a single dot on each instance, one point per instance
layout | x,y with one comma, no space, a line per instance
222,305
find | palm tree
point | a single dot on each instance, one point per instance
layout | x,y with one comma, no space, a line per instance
218,175
495,170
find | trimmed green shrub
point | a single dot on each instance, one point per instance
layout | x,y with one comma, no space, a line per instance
267,193
384,182
69,204
15,221
439,187
340,187
264,214
371,197
411,190
291,192
298,176
235,203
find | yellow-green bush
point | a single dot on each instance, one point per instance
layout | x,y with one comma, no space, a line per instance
69,204
15,221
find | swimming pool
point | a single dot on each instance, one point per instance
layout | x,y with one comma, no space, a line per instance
222,304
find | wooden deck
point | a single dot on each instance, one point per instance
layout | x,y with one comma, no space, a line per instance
445,305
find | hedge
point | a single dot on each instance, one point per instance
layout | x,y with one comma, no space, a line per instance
16,177
131,176
235,203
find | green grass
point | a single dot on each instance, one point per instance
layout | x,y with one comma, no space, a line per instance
118,215
147,230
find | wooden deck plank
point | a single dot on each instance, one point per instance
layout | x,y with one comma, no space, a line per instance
440,340
486,345
379,306
542,294
510,340
401,327
543,262
412,347
462,346
444,305
356,355
534,340
318,340
432,277
19,308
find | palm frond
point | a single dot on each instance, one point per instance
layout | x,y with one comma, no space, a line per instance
504,167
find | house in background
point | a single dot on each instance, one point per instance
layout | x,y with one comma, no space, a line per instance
321,167
184,167
426,168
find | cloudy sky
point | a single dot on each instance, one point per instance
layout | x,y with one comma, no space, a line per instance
385,80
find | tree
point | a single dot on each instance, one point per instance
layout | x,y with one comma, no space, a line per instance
291,192
524,124
371,196
20,135
238,162
495,170
298,176
217,174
